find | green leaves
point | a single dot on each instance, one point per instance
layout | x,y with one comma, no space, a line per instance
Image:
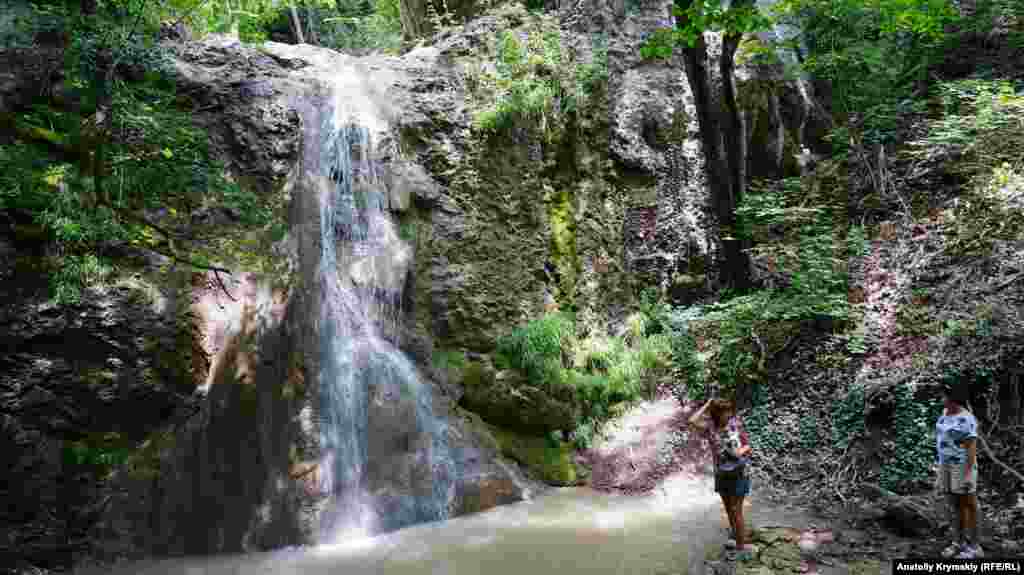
848,417
912,453
698,17
536,349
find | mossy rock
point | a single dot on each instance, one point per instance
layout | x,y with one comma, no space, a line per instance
773,535
782,557
506,399
688,280
552,463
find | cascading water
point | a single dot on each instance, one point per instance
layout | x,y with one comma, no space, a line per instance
362,269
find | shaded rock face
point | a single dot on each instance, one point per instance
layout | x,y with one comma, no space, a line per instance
513,225
69,376
223,483
239,95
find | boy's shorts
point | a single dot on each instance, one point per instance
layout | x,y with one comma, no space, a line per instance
951,479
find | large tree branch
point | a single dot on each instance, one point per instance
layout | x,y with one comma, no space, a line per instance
996,460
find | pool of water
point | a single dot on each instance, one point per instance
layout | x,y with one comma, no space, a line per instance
563,531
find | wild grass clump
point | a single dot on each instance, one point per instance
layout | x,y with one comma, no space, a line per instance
539,349
601,370
535,79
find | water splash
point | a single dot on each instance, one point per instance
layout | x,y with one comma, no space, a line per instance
363,266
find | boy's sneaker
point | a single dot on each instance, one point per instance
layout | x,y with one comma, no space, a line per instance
953,549
971,552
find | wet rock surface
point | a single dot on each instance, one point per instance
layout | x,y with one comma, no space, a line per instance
110,365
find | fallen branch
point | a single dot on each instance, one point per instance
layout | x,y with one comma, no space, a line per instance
997,461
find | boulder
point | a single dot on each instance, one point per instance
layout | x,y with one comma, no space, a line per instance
505,398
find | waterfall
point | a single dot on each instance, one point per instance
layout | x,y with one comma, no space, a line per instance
363,264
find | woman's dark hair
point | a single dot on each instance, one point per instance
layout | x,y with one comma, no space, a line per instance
956,392
720,407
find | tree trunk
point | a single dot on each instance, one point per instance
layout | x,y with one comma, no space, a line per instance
733,132
413,14
296,24
723,141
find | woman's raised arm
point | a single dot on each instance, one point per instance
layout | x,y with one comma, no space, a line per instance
697,419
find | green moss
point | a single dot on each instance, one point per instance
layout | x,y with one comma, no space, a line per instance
407,226
790,150
248,400
449,359
688,280
552,463
695,265
563,244
144,461
473,375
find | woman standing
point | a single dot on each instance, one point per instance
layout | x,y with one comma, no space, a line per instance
731,451
957,477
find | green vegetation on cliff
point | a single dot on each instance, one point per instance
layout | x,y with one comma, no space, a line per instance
113,161
536,79
597,371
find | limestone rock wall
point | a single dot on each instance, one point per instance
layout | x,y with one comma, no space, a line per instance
242,472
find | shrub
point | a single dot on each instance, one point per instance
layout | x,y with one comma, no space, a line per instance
873,54
979,128
537,349
601,371
655,311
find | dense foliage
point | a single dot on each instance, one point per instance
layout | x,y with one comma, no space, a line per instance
112,161
600,370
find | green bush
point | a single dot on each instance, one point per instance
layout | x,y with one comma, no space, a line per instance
766,437
979,139
655,311
873,55
601,371
98,454
537,349
155,162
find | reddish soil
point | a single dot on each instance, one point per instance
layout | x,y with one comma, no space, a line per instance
628,461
